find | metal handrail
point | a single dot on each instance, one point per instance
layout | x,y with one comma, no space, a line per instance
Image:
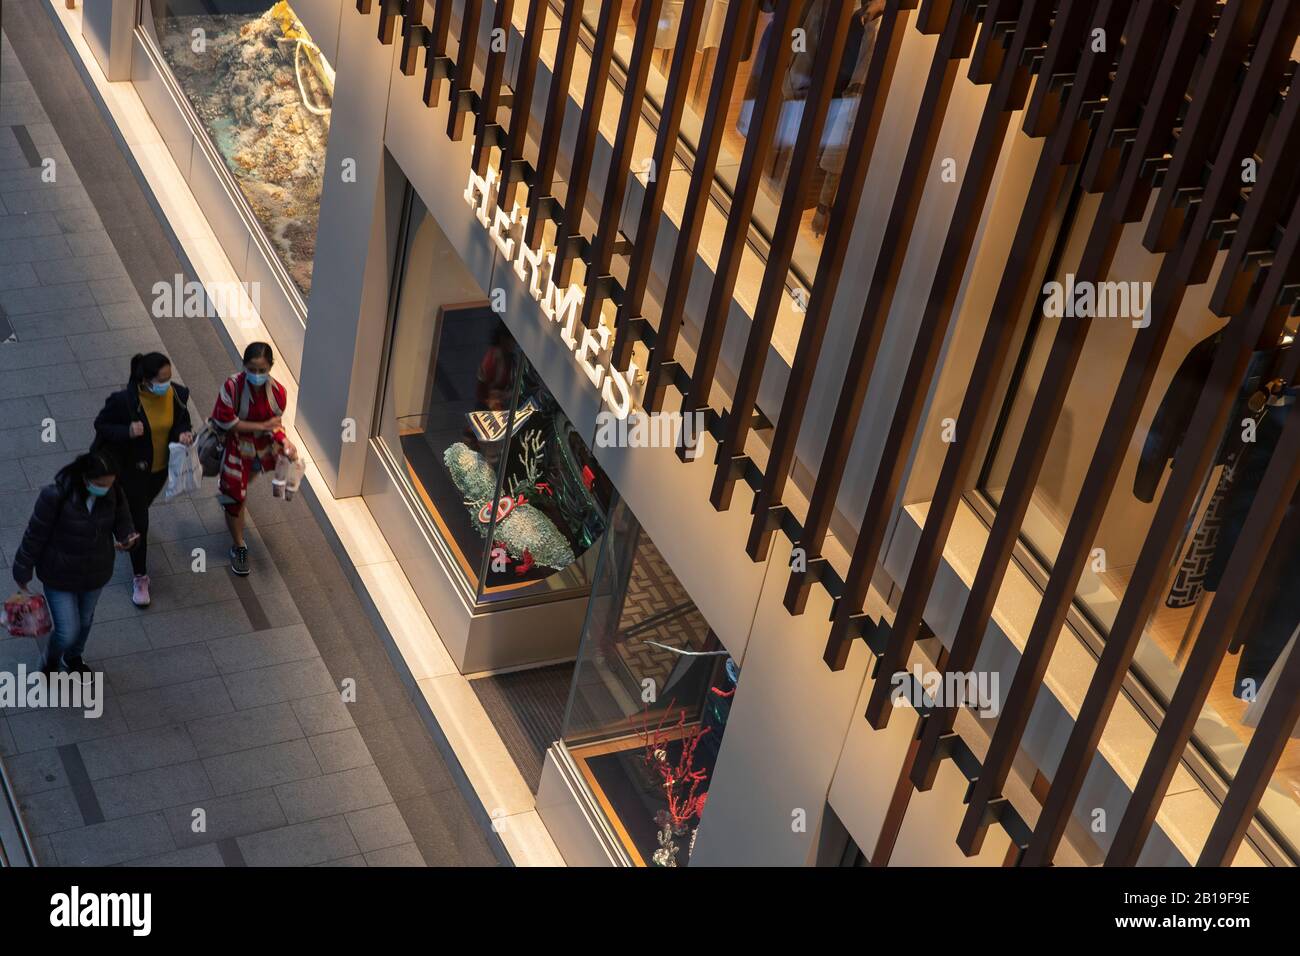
11,827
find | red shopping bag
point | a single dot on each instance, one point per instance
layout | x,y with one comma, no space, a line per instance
27,615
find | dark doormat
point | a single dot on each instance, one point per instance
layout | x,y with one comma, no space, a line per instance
527,709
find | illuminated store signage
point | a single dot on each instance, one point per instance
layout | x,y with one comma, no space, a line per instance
562,306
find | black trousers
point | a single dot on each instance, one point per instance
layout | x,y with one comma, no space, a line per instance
141,490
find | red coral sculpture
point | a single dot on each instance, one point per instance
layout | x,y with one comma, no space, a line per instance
679,779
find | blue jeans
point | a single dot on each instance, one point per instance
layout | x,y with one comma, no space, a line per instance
73,613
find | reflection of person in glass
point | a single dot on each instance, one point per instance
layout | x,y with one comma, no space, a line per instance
849,86
844,108
1274,612
496,371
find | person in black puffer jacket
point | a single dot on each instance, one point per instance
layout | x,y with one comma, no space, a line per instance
80,520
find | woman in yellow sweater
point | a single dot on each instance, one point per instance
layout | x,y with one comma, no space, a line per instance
136,425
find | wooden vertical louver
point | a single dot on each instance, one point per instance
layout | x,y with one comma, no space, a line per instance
1150,105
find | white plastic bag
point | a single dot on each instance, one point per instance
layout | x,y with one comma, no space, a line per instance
184,470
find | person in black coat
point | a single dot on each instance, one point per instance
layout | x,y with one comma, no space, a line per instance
78,523
136,425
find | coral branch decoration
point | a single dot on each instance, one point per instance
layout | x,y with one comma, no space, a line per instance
680,780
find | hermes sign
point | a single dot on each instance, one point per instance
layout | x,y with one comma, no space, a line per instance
590,347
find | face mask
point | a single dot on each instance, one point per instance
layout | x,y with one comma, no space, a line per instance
97,490
160,388
256,378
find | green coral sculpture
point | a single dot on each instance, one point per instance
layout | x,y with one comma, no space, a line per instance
522,528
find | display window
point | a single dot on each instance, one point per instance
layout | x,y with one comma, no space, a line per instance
507,484
263,92
1261,403
759,38
651,694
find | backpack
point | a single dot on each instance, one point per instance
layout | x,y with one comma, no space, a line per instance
211,439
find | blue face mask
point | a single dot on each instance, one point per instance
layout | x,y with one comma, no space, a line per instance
256,378
97,490
160,388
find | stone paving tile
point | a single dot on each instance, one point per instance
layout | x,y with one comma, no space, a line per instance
110,291
155,789
41,469
50,811
85,403
204,855
38,729
135,751
20,355
104,374
12,477
125,315
31,440
17,275
114,841
40,381
47,298
268,685
407,854
46,325
120,638
281,645
301,844
36,771
189,625
224,818
322,714
27,225
261,766
446,830
157,668
244,730
175,703
335,793
340,750
378,828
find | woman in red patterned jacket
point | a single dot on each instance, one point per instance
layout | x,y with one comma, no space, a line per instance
249,410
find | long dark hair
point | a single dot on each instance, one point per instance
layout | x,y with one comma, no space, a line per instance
145,368
93,464
257,350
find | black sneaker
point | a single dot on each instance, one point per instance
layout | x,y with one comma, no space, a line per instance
75,665
239,561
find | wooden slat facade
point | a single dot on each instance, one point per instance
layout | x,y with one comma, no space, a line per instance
1155,119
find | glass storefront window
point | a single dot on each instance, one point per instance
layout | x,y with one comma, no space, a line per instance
263,91
1261,402
506,483
651,693
759,37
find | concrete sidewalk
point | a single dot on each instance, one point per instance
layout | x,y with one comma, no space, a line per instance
225,694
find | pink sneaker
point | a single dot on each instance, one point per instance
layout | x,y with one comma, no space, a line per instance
140,590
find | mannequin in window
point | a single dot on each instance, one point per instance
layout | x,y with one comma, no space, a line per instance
1166,435
845,106
1275,607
